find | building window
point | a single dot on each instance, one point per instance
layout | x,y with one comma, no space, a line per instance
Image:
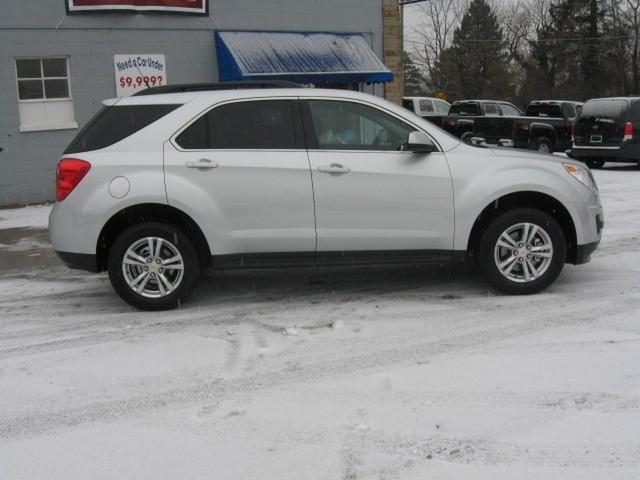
44,94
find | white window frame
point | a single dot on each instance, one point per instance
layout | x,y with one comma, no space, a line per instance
65,102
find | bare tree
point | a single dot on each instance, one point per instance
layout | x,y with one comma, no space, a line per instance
433,34
631,15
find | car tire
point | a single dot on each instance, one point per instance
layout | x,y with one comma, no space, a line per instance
153,266
595,163
542,145
466,137
509,265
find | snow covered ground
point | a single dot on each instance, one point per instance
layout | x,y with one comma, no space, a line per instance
394,373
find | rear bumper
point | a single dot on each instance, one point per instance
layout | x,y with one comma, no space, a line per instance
79,261
629,152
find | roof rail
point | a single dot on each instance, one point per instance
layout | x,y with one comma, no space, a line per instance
203,87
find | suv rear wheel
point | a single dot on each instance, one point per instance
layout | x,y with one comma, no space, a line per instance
153,266
522,251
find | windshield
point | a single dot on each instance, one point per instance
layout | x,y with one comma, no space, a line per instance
608,110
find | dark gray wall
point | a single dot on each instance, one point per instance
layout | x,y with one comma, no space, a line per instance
43,28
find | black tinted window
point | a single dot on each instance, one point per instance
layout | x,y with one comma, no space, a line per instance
244,125
112,124
544,110
408,104
464,109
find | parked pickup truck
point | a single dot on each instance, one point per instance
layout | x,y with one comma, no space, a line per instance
466,116
546,126
429,108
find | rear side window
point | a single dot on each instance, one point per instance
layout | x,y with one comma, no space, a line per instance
112,124
544,110
464,109
266,124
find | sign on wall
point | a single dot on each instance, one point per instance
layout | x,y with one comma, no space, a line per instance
198,7
137,72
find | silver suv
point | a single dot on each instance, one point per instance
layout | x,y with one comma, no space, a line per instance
156,188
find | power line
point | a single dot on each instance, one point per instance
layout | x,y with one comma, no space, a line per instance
542,40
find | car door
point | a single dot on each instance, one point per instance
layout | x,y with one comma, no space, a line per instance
242,167
369,194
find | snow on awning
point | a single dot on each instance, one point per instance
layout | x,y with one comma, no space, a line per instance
311,57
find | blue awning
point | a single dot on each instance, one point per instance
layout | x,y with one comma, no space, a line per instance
318,58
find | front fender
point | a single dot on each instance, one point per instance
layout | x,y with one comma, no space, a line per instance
474,194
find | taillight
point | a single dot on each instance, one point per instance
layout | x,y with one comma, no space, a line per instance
573,132
628,131
70,172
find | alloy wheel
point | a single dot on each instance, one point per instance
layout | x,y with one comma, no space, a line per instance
523,252
153,267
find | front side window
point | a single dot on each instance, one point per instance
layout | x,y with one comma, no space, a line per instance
352,126
509,110
265,124
569,110
44,93
491,109
442,108
426,106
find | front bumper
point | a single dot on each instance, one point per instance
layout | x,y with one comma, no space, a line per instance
584,252
79,261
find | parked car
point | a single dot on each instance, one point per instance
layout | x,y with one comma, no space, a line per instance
608,130
547,125
432,109
466,116
158,187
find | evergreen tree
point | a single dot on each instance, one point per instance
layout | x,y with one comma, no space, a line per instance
476,65
571,57
414,80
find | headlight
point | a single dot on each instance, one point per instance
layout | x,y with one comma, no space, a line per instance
583,175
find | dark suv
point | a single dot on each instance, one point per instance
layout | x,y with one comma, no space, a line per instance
608,130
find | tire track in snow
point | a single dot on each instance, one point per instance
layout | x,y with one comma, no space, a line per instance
35,423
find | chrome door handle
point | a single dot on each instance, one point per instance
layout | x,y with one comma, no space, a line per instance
335,169
203,164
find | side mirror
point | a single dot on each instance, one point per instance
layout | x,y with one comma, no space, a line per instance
419,142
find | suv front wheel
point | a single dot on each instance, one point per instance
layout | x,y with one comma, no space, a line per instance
153,266
522,251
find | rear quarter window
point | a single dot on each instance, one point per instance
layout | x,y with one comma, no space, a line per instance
115,123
